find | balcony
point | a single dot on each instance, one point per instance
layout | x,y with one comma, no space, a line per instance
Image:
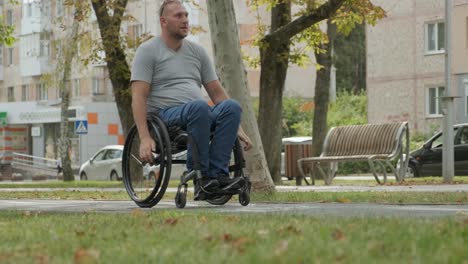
34,66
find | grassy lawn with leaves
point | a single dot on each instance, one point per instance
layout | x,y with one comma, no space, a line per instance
280,197
343,197
170,236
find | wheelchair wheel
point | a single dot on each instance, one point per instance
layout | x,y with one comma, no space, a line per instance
236,167
244,196
181,196
146,183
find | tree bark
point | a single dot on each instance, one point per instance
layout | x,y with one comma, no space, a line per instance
230,68
274,58
119,71
322,93
69,53
274,53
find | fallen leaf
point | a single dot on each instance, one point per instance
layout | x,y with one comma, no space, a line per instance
281,247
343,200
42,259
79,233
263,232
171,221
203,219
290,229
233,218
84,256
338,235
227,237
209,238
240,243
340,258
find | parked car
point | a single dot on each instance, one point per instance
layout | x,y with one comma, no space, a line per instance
106,164
427,161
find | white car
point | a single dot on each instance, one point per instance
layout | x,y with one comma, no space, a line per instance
106,164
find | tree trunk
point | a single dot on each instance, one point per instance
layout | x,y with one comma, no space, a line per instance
274,53
274,57
69,53
230,68
119,71
322,92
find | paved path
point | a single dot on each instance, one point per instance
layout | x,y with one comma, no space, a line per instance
315,209
309,188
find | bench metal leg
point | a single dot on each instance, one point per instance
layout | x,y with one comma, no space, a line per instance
328,174
374,171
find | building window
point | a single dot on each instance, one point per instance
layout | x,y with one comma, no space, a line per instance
59,7
97,86
434,101
41,92
135,31
9,17
59,93
44,48
10,56
435,37
24,93
76,88
29,9
11,94
45,7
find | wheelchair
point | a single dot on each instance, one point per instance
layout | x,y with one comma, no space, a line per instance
146,183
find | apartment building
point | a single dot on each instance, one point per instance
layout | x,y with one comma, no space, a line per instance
406,63
31,103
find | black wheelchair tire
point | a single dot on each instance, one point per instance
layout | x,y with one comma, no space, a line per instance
160,135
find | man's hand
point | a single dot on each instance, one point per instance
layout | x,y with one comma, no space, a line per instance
244,139
147,146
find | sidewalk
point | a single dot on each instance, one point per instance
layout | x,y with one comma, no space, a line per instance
308,188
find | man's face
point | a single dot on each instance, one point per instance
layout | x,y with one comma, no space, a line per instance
174,20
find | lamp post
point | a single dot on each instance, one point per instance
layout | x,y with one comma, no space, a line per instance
448,106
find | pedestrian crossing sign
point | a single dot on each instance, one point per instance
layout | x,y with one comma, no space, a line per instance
81,127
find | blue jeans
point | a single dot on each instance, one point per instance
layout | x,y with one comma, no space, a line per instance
200,121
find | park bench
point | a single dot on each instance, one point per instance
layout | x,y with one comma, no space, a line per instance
382,145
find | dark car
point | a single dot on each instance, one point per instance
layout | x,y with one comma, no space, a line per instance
427,161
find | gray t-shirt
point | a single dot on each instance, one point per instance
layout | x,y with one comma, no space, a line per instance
175,76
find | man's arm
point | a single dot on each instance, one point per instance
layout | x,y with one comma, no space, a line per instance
140,92
217,94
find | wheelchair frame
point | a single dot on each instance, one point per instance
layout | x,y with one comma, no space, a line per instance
169,141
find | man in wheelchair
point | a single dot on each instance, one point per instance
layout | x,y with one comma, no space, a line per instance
167,75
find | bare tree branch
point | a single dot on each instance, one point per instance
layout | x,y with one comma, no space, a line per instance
296,26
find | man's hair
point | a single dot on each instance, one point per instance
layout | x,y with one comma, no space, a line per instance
165,3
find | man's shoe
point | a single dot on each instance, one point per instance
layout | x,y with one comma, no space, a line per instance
205,186
227,183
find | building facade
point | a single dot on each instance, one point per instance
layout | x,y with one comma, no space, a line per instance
406,63
30,99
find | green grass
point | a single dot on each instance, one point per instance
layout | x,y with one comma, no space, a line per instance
373,182
174,183
62,184
72,184
170,236
298,197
